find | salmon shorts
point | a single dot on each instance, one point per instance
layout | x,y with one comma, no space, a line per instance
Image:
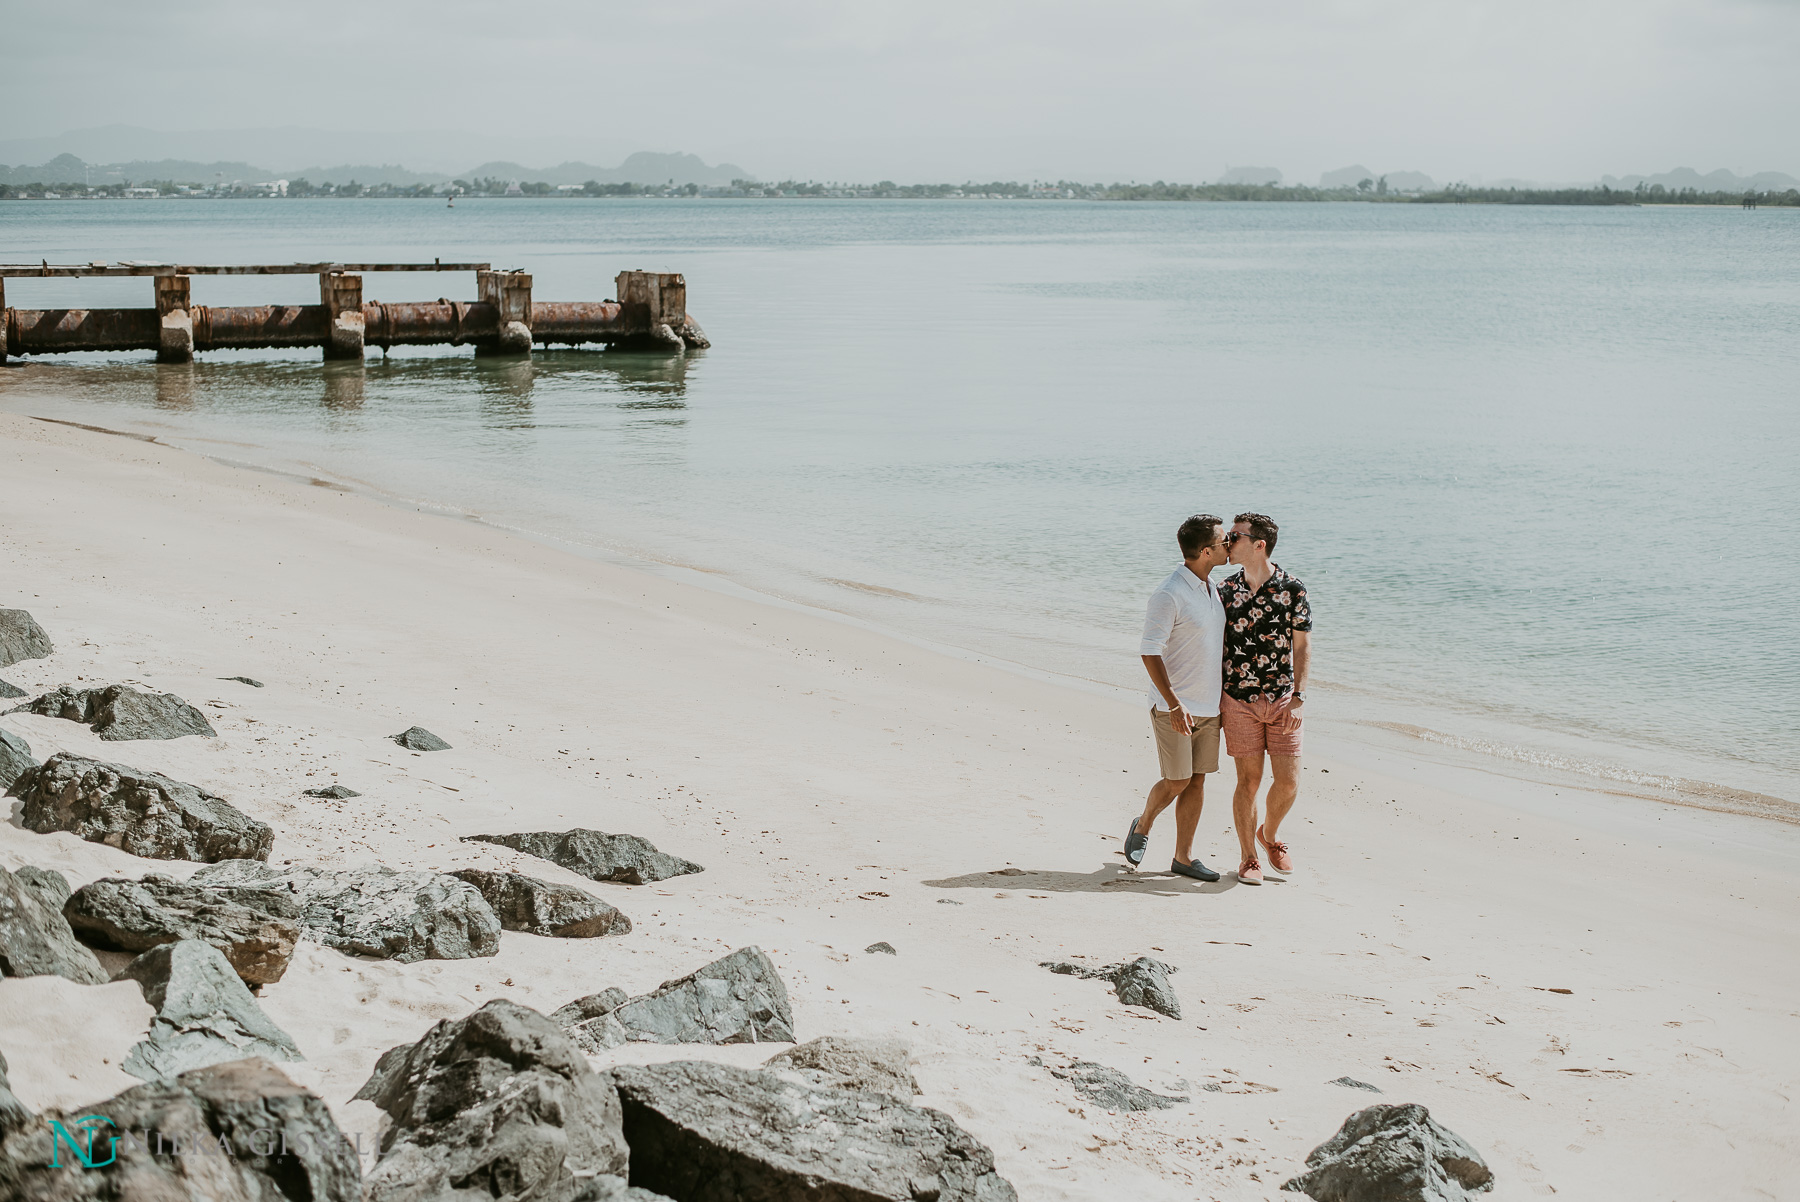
1183,756
1253,727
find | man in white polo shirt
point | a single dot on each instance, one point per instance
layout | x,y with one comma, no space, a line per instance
1183,647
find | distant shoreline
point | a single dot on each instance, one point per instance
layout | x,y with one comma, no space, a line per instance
1176,194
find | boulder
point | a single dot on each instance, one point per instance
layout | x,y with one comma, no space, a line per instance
204,1013
1140,982
10,690
1353,1083
334,793
144,813
49,886
255,684
373,910
1393,1154
120,712
15,759
21,638
35,939
496,1104
736,999
626,859
13,1113
884,948
1111,1088
844,1062
703,1132
254,929
524,903
235,1132
417,738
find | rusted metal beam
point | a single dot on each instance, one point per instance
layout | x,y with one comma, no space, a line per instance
130,268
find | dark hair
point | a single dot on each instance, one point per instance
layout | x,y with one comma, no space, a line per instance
1197,533
1262,527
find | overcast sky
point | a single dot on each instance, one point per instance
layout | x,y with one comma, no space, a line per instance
945,89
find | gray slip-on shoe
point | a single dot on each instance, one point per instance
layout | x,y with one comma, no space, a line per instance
1195,869
1134,846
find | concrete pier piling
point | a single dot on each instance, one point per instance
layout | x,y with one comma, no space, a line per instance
650,313
340,295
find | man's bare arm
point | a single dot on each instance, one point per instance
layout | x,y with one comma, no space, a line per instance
1159,676
1302,663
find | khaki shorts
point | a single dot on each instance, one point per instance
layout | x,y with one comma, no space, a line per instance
1183,756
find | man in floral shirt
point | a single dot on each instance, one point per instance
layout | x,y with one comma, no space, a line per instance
1268,650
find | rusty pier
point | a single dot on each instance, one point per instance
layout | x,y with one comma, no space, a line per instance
649,313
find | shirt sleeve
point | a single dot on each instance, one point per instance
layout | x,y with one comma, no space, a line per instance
1159,623
1302,610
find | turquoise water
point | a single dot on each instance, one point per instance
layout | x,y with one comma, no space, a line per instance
1537,465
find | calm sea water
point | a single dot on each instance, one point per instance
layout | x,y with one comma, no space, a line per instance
1536,465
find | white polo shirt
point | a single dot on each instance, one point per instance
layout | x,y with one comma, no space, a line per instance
1185,624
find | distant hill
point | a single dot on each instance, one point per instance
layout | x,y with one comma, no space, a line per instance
644,167
1346,177
67,169
1713,181
1251,175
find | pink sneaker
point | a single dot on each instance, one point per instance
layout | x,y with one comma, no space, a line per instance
1279,859
1250,872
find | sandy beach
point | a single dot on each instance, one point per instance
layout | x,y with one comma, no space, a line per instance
1601,995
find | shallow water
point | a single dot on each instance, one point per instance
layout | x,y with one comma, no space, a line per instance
1536,465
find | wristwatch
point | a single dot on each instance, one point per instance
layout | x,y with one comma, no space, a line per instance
1298,695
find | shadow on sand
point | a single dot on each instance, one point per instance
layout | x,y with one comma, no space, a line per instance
1109,878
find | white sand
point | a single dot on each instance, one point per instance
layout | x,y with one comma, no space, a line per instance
842,787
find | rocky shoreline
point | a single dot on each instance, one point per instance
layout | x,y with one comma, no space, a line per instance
502,1103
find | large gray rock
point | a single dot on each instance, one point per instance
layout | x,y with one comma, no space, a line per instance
15,759
844,1062
1393,1154
13,1113
21,638
144,813
739,998
49,886
35,939
9,690
1140,982
626,859
373,910
120,712
236,1132
704,1132
204,1013
417,738
255,929
498,1104
1111,1088
536,907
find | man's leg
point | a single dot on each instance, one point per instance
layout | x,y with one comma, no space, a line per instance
1243,803
1187,817
1282,792
1161,794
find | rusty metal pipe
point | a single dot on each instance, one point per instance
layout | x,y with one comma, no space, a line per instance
247,327
575,322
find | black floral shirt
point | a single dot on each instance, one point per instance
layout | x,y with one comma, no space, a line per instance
1259,634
